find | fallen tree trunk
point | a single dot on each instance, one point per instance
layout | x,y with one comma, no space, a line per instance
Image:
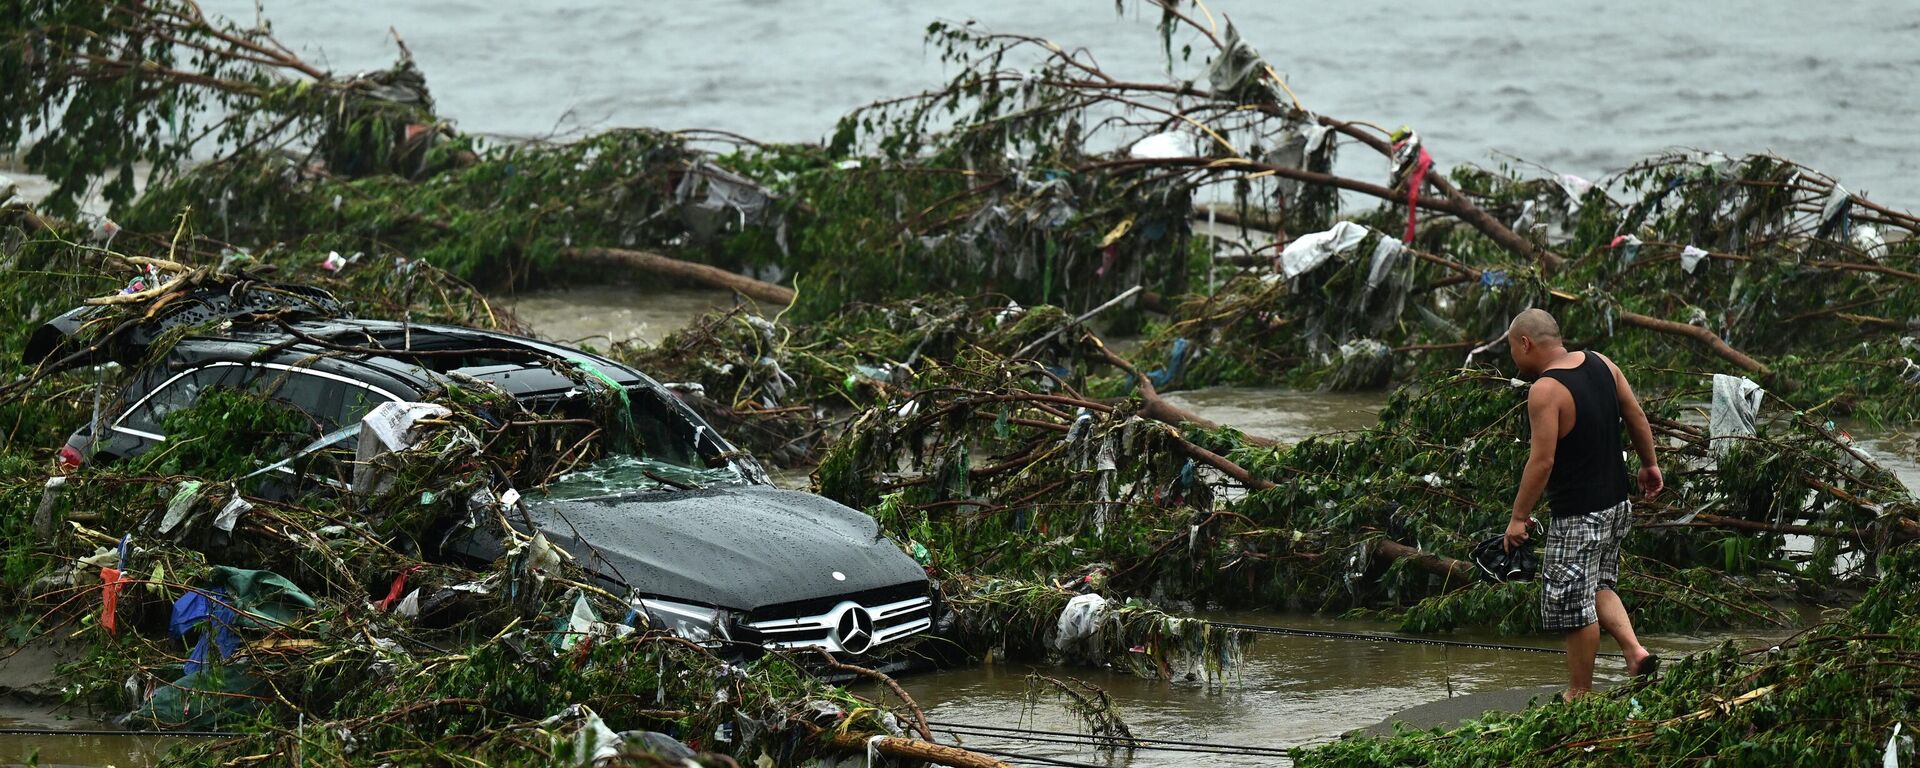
1458,573
1709,338
914,749
1456,202
1158,409
656,264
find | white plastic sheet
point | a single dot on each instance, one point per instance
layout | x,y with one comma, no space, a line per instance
392,423
181,503
390,426
1385,255
1307,252
230,514
592,742
1736,400
1079,620
1691,258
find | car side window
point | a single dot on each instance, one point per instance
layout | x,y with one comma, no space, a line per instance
181,391
330,402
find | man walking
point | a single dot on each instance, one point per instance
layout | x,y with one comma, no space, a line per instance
1575,405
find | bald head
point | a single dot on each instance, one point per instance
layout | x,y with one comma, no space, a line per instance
1534,324
1534,341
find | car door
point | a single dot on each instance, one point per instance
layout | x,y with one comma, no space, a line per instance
330,399
137,429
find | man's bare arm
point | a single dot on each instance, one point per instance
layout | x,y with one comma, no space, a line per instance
1638,429
1543,413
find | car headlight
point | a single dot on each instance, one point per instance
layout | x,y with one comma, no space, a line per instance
697,623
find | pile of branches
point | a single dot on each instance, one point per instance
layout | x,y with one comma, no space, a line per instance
359,628
1010,619
1754,264
997,467
329,608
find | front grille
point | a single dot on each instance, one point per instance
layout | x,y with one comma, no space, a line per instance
835,630
819,605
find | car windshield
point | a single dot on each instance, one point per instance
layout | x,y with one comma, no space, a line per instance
625,473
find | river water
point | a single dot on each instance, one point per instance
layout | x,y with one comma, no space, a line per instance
1583,87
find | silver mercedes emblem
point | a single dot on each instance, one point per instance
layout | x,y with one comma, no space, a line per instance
854,630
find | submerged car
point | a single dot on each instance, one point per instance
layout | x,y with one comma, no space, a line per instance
693,529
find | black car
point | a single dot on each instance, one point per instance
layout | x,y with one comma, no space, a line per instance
715,552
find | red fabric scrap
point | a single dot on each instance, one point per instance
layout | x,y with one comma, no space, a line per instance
399,584
1422,163
110,597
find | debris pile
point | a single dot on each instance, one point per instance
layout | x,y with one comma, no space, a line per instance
330,623
919,331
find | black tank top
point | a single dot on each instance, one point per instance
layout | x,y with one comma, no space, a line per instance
1589,473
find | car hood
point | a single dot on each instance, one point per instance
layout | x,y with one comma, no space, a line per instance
740,547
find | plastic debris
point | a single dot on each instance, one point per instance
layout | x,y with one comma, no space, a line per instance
230,513
1386,254
43,515
1833,213
180,505
1080,619
1691,258
389,427
1629,247
590,742
1308,252
210,614
576,626
1410,159
1736,400
111,580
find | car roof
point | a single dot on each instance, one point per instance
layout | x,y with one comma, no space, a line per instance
414,356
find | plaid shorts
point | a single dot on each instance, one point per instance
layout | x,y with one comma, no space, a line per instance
1581,558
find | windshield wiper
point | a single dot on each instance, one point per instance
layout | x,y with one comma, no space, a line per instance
666,481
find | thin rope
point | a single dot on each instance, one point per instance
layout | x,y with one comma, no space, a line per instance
1390,638
1136,742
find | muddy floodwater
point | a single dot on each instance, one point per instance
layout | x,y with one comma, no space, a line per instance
57,750
1289,690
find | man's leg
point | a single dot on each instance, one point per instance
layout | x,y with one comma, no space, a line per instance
1570,569
1613,618
1582,645
1613,615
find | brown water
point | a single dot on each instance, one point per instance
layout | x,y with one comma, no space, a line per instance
604,315
1289,691
56,751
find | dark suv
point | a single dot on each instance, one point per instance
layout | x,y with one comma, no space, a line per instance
692,531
